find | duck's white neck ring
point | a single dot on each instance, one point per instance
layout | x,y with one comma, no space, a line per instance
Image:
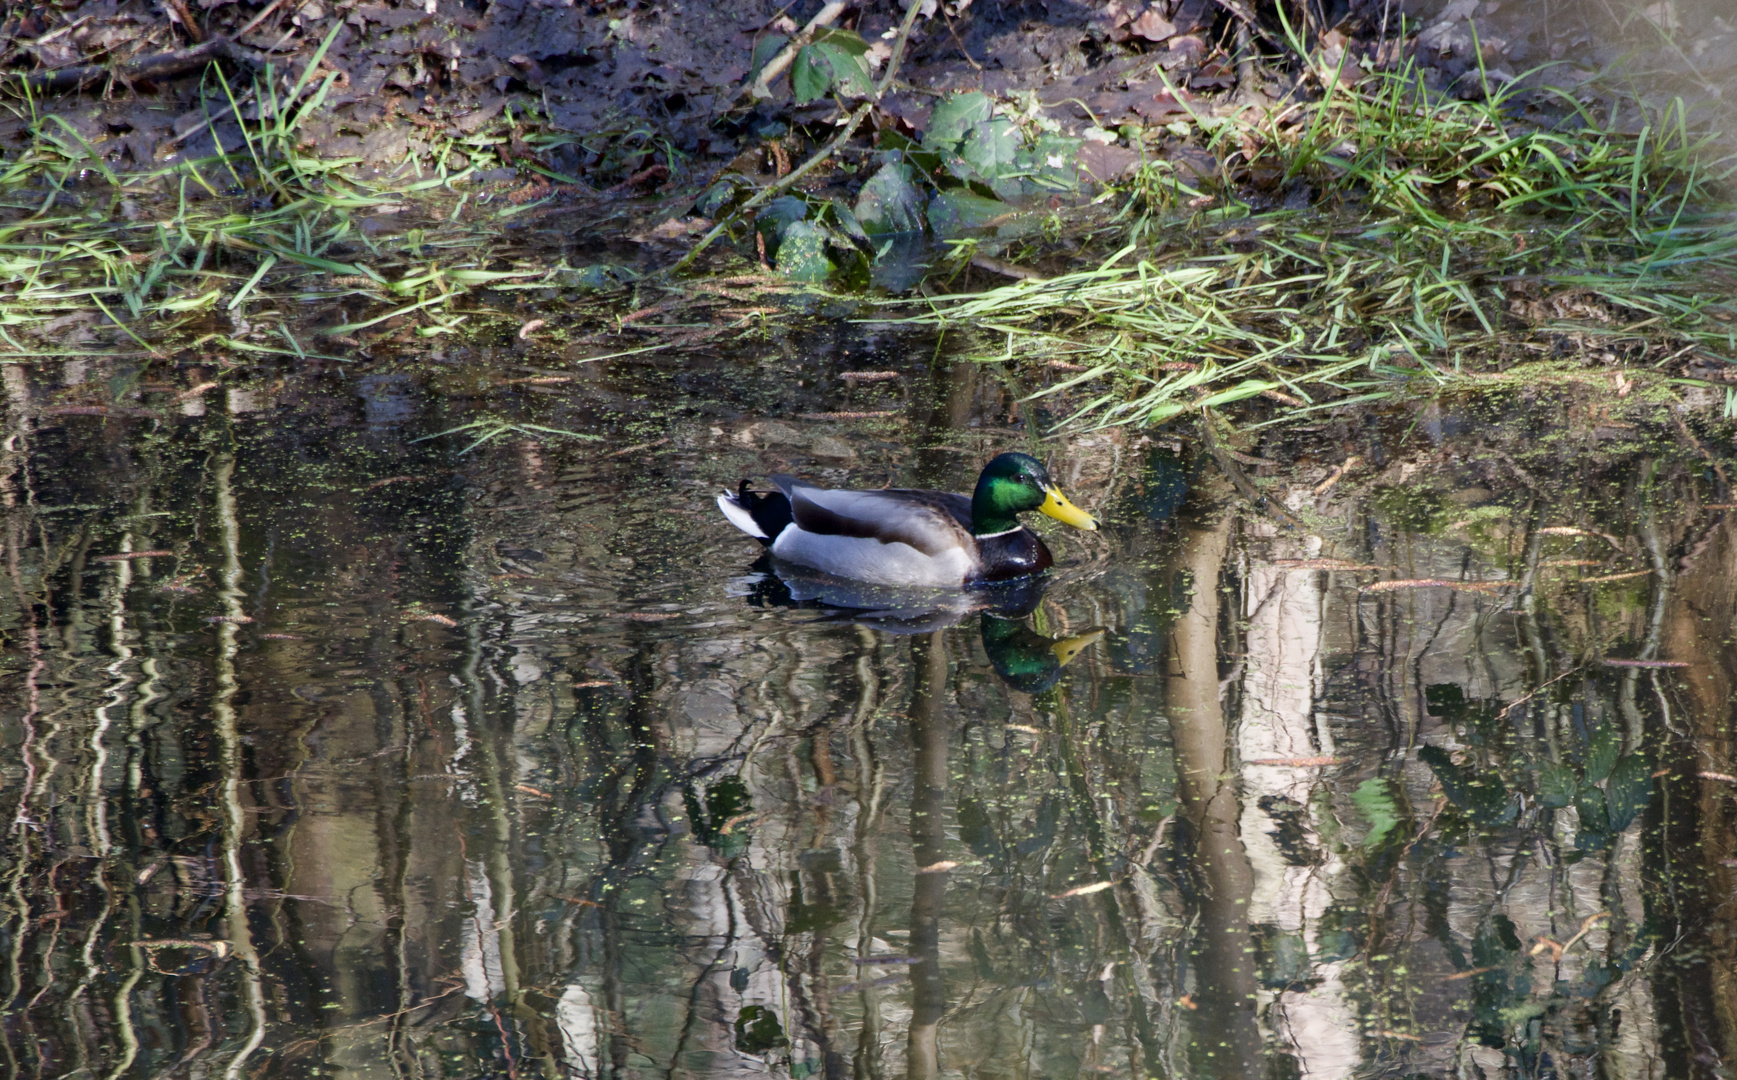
991,536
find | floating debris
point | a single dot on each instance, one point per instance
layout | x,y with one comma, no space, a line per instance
1295,762
1614,577
1319,564
1436,583
1084,890
937,868
639,446
864,961
884,980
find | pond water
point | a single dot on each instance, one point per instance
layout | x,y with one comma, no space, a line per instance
325,751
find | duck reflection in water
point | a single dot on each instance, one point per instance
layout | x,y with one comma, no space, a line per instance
1024,659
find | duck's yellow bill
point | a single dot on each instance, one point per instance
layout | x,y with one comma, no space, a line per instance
1056,505
1067,648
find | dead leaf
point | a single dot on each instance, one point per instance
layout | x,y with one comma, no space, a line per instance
937,868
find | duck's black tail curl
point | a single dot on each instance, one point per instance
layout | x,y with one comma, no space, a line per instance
760,514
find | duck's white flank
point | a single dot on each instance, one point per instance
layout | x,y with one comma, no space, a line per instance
873,560
739,516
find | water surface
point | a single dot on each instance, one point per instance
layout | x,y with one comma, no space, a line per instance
330,752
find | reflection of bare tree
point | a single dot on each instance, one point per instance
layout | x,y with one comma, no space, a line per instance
928,849
1226,1041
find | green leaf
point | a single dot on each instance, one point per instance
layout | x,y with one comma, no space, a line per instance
1556,786
764,50
1483,797
810,75
991,147
1601,752
1374,800
953,213
901,262
952,117
850,73
802,254
980,955
1629,791
1594,813
833,61
775,218
848,42
890,202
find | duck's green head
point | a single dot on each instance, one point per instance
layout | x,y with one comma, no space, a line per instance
1013,483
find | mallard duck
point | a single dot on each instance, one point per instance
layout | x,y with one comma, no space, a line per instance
901,536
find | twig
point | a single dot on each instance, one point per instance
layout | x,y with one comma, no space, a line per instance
209,120
185,18
1007,269
158,65
825,152
1240,480
257,19
1336,475
768,192
761,86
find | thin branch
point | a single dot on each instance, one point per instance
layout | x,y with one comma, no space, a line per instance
761,86
155,66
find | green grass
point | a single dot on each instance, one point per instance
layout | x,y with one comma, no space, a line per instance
1438,228
159,251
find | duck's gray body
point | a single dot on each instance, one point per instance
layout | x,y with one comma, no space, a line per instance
895,536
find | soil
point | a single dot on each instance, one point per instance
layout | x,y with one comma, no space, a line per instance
639,96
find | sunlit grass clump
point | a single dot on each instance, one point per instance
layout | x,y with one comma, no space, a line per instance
173,245
1442,237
